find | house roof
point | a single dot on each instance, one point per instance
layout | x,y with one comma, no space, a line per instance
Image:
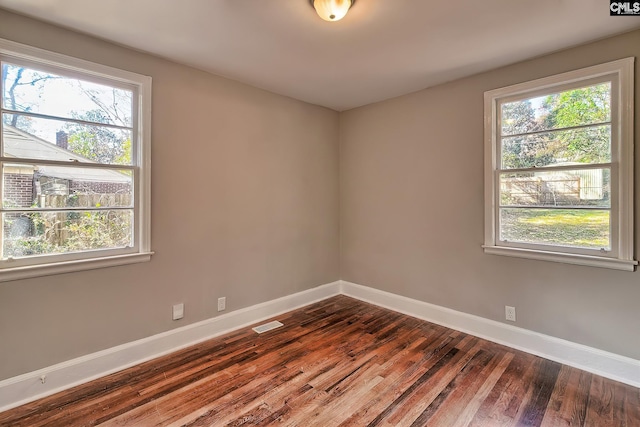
20,144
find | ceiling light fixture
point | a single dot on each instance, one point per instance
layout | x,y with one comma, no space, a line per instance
332,10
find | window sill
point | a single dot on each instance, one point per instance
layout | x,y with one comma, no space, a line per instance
592,261
26,272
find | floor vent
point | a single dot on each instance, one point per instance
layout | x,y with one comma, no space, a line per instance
267,327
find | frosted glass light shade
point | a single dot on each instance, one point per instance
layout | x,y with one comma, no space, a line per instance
332,10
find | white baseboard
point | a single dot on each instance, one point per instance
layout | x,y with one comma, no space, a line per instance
609,365
28,387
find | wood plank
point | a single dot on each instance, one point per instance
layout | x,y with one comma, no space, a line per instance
632,406
542,388
568,403
462,396
470,409
446,365
501,405
341,362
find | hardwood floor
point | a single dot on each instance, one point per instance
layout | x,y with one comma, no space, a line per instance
341,362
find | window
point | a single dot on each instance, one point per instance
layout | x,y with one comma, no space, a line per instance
559,168
75,160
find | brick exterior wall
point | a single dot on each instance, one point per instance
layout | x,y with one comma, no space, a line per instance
18,189
19,192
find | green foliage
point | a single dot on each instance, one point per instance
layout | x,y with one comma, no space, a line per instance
32,245
548,135
589,105
96,230
519,117
98,143
124,158
579,106
64,232
523,151
28,246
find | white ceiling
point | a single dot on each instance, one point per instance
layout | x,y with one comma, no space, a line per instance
381,49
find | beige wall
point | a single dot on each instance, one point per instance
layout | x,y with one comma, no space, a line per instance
244,205
412,212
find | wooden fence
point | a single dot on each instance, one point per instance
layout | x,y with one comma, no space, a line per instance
84,201
55,227
536,191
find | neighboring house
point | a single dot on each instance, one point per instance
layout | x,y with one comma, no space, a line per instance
26,186
23,184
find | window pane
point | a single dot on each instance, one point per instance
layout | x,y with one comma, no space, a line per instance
565,227
584,145
44,139
27,89
578,187
44,233
576,107
56,187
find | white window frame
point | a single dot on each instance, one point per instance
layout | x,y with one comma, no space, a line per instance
620,73
141,165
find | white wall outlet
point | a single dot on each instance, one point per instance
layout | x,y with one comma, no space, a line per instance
510,313
178,311
222,303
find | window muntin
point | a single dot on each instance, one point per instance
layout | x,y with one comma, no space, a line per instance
74,153
557,181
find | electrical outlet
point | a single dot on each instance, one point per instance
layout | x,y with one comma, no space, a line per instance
510,313
178,311
222,303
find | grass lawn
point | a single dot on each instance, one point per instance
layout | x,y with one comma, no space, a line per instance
580,228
